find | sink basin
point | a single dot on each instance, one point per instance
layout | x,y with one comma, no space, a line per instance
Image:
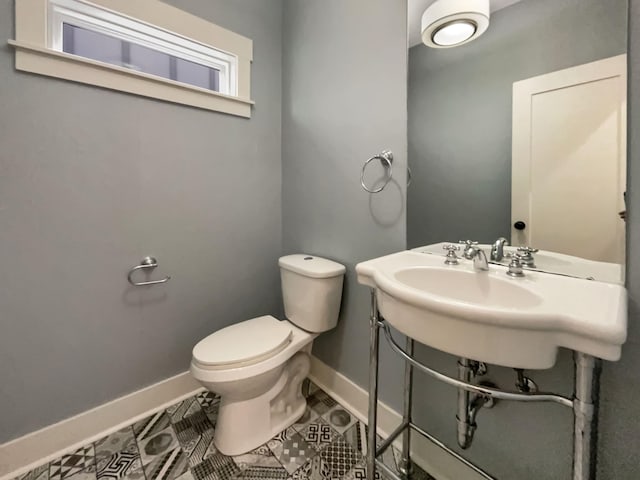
468,287
491,317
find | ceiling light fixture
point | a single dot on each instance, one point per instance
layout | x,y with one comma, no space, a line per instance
450,23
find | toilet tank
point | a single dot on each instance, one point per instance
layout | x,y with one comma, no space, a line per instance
311,291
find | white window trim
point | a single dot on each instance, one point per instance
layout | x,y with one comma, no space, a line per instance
38,49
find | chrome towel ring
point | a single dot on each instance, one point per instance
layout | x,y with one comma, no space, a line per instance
386,158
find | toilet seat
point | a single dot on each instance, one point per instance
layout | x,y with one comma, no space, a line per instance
245,343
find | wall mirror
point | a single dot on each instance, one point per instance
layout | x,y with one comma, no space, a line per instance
517,128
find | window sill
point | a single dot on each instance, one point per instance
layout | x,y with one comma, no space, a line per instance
43,61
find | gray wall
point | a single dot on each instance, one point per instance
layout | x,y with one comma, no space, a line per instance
344,100
467,161
90,181
331,123
460,110
620,410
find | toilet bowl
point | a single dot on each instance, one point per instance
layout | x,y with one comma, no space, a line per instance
258,366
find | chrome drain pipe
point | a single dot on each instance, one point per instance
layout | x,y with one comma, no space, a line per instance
469,404
466,427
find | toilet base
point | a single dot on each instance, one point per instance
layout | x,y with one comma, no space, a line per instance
244,425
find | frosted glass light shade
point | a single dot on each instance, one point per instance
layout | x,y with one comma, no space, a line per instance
450,23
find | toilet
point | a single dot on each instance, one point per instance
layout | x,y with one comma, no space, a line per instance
258,366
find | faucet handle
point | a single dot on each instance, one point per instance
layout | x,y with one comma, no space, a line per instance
527,256
452,258
469,248
468,243
516,264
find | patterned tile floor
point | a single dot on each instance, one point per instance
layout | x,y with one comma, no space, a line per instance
327,443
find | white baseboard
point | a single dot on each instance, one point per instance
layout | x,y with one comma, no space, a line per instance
25,453
429,456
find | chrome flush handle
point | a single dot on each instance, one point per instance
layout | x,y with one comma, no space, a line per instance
146,263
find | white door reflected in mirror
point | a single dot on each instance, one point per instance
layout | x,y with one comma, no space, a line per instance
569,161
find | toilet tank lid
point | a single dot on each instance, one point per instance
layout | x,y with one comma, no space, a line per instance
311,266
244,343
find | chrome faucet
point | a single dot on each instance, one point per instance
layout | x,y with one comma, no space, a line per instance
497,249
475,253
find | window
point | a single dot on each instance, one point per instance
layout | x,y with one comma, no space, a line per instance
91,32
146,47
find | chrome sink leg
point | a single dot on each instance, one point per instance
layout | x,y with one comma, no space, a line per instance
404,466
374,344
585,412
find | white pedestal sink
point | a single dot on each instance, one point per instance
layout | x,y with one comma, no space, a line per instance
488,316
491,317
